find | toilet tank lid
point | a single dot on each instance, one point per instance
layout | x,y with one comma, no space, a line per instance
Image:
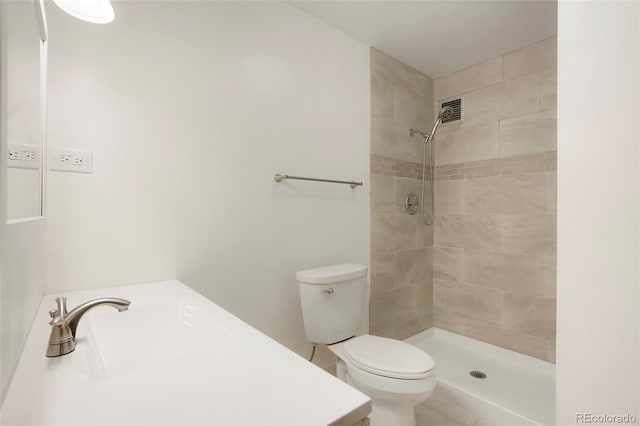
332,274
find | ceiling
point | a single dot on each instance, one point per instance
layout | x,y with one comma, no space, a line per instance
439,37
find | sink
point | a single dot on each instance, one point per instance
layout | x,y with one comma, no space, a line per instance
153,335
173,358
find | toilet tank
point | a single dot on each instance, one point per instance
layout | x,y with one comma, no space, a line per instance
332,301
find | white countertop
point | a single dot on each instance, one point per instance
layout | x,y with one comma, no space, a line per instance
174,358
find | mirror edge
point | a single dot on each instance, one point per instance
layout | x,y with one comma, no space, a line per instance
41,18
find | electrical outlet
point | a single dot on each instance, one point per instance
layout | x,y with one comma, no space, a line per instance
70,161
23,156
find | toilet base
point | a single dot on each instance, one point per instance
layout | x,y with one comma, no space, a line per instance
389,408
384,414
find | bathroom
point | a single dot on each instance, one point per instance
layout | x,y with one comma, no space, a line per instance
182,113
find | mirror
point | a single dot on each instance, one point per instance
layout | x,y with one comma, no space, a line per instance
26,76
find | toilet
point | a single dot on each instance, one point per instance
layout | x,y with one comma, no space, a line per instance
395,375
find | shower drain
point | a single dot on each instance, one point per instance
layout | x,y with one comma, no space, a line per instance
477,374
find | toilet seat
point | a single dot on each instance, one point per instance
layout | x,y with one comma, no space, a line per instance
388,358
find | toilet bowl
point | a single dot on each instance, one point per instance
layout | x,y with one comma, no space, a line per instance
395,375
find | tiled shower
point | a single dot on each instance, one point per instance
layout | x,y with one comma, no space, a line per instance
486,268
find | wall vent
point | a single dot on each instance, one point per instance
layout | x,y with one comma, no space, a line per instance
456,104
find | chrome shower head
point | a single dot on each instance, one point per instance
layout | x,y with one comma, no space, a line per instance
445,113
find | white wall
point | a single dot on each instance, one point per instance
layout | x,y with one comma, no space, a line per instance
190,108
21,250
598,352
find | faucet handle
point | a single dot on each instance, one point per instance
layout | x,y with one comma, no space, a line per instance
58,315
62,306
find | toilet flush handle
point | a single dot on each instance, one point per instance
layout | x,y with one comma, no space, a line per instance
329,291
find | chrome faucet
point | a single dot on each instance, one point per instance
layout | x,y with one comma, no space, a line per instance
63,325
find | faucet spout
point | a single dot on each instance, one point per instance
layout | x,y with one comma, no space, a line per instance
74,317
64,325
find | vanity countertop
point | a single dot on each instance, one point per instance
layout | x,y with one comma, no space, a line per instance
174,358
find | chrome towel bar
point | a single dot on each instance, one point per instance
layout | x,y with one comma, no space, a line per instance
279,178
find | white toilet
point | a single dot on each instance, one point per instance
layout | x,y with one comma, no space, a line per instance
395,375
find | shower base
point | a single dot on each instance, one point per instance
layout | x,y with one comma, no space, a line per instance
517,390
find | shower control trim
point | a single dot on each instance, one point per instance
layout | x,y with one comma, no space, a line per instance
411,203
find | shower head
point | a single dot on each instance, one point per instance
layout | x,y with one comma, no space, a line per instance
445,113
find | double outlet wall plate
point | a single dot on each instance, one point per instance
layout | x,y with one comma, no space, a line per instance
24,156
67,160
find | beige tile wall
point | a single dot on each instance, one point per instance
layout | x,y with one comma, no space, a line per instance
495,229
401,244
486,268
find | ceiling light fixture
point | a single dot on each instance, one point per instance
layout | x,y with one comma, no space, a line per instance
94,11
